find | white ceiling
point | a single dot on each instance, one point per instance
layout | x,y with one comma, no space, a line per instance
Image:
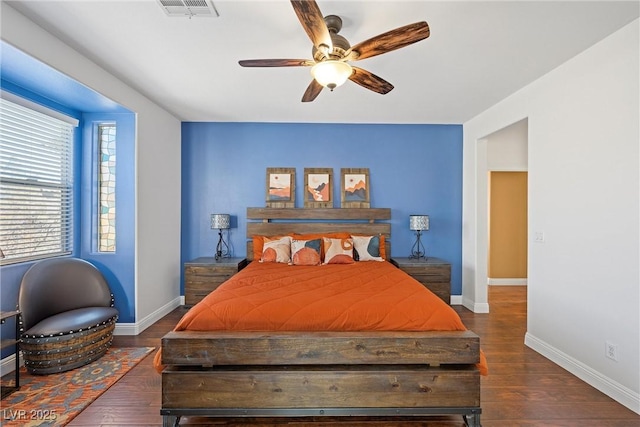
478,53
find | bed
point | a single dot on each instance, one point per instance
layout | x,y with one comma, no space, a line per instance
329,351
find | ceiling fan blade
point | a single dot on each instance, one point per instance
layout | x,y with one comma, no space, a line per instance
276,62
313,90
370,81
391,40
313,23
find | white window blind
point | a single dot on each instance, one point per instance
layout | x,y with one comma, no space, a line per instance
36,184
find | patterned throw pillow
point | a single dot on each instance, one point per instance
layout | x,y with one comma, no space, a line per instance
276,250
338,251
305,252
366,248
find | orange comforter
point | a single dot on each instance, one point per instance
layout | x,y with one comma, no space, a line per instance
363,296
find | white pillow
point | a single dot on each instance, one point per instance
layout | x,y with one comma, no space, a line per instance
276,250
366,248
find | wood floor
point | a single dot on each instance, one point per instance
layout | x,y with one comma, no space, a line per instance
522,389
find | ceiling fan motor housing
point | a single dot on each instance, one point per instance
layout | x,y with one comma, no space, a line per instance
340,44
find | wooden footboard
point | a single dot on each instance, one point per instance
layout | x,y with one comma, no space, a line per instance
260,374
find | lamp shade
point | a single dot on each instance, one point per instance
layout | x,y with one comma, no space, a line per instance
220,221
419,222
331,73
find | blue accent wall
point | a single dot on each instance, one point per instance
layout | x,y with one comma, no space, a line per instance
414,169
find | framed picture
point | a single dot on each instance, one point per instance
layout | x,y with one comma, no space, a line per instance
355,187
281,187
318,187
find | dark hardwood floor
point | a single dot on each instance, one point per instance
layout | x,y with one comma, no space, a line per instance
522,388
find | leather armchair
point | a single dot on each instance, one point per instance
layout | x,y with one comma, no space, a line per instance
67,315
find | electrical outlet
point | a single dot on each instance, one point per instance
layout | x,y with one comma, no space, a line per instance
611,351
538,237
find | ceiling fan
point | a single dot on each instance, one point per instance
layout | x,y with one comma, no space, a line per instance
332,52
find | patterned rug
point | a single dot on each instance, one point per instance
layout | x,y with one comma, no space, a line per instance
54,400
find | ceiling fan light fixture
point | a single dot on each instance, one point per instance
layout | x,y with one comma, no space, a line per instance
331,73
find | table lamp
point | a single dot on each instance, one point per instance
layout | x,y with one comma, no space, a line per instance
418,223
221,222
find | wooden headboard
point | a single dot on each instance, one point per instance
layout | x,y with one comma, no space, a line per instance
279,221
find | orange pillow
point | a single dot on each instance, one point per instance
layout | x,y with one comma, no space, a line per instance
312,236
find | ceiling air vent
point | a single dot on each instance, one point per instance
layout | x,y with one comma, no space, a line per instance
188,8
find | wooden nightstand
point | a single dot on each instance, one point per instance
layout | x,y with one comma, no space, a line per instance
203,275
433,273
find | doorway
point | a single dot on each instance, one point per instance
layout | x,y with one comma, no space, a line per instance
507,210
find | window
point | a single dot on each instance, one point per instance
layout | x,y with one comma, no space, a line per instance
106,187
36,181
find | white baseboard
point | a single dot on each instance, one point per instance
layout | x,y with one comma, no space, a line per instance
611,388
507,282
456,300
8,364
475,306
137,327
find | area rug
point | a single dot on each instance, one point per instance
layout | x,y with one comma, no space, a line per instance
54,400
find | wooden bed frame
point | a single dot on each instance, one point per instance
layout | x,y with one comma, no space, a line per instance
321,375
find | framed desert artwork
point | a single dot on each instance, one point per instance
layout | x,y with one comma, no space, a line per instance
355,187
318,187
281,187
